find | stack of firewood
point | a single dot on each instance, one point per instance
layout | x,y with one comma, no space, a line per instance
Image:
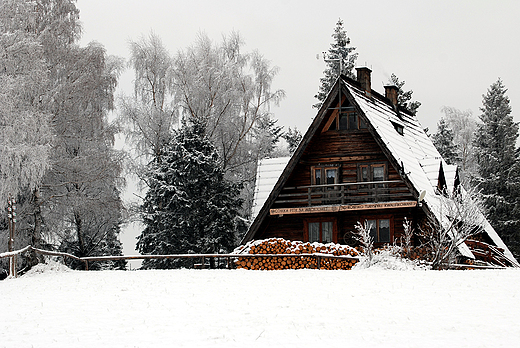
297,255
417,253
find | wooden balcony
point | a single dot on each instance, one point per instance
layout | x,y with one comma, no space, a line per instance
344,194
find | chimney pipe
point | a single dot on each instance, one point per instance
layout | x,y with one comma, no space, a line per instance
391,93
363,77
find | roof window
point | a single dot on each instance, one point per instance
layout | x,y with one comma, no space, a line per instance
399,128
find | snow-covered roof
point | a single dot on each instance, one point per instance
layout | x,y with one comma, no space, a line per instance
420,160
267,174
405,142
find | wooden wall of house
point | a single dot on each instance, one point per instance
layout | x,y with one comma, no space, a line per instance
291,227
348,150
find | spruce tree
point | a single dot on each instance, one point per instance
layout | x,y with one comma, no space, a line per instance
190,207
404,98
498,166
339,49
443,141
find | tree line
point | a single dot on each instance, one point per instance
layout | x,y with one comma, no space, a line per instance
58,158
488,158
198,121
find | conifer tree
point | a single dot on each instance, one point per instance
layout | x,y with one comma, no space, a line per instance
404,98
443,141
293,137
498,166
190,207
339,49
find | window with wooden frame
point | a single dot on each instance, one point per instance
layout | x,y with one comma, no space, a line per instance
347,119
372,172
381,228
322,230
325,175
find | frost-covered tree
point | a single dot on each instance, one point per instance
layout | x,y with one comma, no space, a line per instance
215,84
443,141
82,187
25,124
230,93
82,172
339,54
25,130
149,115
404,98
459,217
498,165
463,125
190,207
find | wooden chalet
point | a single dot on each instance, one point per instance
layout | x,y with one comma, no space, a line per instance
362,158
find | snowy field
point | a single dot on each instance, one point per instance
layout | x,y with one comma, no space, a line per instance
53,307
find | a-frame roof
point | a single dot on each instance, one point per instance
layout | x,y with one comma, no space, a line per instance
409,150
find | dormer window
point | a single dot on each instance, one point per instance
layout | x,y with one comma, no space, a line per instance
399,128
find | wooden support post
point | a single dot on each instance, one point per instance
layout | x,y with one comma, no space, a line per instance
309,195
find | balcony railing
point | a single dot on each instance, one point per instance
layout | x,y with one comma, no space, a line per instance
344,193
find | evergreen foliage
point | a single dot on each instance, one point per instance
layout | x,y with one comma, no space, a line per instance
443,141
339,50
190,207
267,135
498,165
404,98
293,137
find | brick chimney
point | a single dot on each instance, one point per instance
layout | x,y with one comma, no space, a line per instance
391,93
363,77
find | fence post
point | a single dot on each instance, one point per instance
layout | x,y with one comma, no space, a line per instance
11,214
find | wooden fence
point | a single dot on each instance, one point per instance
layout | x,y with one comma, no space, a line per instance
202,257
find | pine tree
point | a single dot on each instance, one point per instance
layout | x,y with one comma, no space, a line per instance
498,165
293,139
443,141
404,98
339,49
190,207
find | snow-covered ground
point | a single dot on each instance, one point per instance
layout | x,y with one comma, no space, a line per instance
54,307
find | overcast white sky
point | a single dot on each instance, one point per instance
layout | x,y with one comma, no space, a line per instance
448,52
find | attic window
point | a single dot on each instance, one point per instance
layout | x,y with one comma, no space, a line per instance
347,120
399,128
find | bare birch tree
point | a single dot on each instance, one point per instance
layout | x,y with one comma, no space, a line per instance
149,115
229,91
458,217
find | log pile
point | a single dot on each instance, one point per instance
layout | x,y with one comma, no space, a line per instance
417,253
297,255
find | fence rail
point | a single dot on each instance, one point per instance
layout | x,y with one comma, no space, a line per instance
202,257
